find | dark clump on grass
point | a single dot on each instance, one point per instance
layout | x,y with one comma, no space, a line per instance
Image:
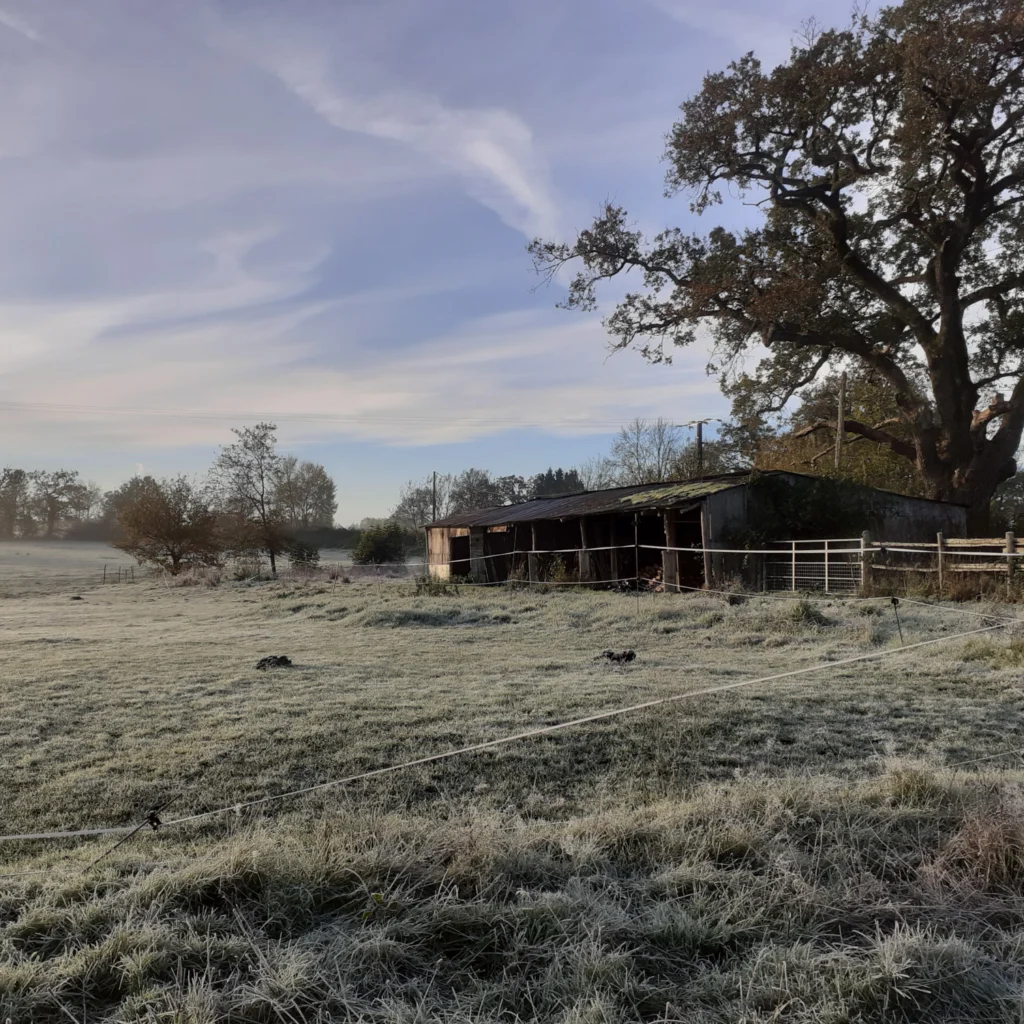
274,661
795,902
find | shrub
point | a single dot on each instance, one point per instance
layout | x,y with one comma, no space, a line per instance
302,553
382,543
433,586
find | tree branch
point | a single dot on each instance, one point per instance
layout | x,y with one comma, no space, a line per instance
872,433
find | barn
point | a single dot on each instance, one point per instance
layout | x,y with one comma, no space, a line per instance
627,532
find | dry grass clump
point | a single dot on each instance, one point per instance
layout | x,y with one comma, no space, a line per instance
798,902
998,653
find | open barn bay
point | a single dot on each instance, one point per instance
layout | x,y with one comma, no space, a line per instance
796,850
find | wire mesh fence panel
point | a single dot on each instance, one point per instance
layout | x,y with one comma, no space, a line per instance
837,577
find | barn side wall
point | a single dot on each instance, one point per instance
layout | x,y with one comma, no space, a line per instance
915,519
439,548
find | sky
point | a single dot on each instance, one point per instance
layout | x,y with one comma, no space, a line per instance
316,214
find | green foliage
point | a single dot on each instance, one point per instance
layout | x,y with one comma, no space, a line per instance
381,543
301,553
327,536
554,482
806,441
1007,507
169,524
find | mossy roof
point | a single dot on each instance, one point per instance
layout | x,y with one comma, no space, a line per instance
589,503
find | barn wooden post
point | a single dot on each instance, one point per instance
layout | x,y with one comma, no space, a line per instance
669,558
865,559
705,541
477,562
586,572
1011,547
532,558
613,560
940,559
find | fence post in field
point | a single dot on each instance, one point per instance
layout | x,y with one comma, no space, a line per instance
865,558
826,568
1011,547
793,588
940,549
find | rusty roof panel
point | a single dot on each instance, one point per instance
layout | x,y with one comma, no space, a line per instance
588,503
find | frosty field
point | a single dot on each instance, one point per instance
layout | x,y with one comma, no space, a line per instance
797,850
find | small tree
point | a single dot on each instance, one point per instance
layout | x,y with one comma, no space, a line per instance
54,496
169,524
15,515
305,494
247,473
418,503
381,543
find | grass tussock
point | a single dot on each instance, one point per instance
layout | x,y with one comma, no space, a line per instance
802,902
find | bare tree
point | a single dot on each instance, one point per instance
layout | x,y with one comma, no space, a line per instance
170,524
415,506
246,472
646,451
598,473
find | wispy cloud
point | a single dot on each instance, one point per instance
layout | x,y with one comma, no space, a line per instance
18,24
491,149
516,370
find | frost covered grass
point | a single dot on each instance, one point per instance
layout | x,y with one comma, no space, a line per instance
793,851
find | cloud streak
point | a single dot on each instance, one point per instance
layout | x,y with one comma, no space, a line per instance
491,149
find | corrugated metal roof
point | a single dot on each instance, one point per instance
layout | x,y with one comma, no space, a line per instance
617,499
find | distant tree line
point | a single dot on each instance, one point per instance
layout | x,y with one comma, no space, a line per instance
253,502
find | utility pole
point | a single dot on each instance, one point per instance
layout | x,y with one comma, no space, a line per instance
841,418
700,447
434,520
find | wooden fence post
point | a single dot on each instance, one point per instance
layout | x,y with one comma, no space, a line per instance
940,548
793,588
826,568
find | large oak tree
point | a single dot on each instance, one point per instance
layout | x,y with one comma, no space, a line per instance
885,161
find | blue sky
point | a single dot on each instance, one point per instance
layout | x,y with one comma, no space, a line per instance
316,213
